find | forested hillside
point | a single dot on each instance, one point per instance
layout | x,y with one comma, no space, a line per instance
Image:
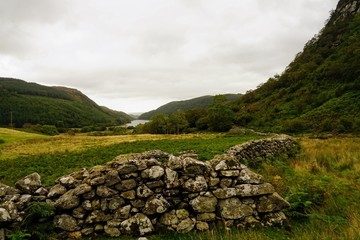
194,103
320,89
22,102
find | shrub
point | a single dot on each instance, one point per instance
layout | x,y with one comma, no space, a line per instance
295,126
47,129
37,220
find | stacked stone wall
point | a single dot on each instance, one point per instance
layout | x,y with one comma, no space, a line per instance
140,194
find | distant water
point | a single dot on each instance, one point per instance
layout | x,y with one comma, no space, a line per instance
134,123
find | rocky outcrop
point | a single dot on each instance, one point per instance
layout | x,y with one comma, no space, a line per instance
141,193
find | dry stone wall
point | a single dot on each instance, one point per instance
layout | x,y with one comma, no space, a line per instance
143,193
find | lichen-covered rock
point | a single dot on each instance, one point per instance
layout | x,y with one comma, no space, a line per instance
170,219
272,203
155,184
79,213
226,162
127,169
67,181
198,184
171,178
112,231
81,189
277,218
143,191
41,191
223,193
185,225
123,212
247,190
156,204
103,191
139,224
66,222
97,181
97,216
229,173
248,176
193,166
225,182
126,185
4,215
7,190
67,201
154,172
232,208
112,178
202,226
203,204
206,217
29,184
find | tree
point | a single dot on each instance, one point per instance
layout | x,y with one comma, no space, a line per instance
178,122
193,115
159,124
220,116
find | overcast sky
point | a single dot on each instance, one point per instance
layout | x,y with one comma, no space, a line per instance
137,55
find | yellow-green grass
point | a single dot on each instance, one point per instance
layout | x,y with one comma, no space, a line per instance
56,156
9,136
34,144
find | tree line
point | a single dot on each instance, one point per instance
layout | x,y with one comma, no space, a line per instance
218,117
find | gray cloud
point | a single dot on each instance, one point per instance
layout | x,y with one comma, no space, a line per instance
137,55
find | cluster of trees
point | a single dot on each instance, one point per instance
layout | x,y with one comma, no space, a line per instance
218,117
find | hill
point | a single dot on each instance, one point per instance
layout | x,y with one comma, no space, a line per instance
194,103
320,89
60,106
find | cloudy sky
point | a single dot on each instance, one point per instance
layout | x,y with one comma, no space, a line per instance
137,55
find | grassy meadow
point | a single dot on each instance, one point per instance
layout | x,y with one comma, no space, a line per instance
56,156
322,182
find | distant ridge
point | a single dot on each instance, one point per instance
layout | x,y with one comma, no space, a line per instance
60,106
194,103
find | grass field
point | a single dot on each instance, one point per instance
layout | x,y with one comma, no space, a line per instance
8,136
53,157
322,182
33,144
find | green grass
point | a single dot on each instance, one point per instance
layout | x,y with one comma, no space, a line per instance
52,166
322,182
8,136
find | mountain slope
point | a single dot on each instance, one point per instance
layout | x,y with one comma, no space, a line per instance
194,103
320,89
64,107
